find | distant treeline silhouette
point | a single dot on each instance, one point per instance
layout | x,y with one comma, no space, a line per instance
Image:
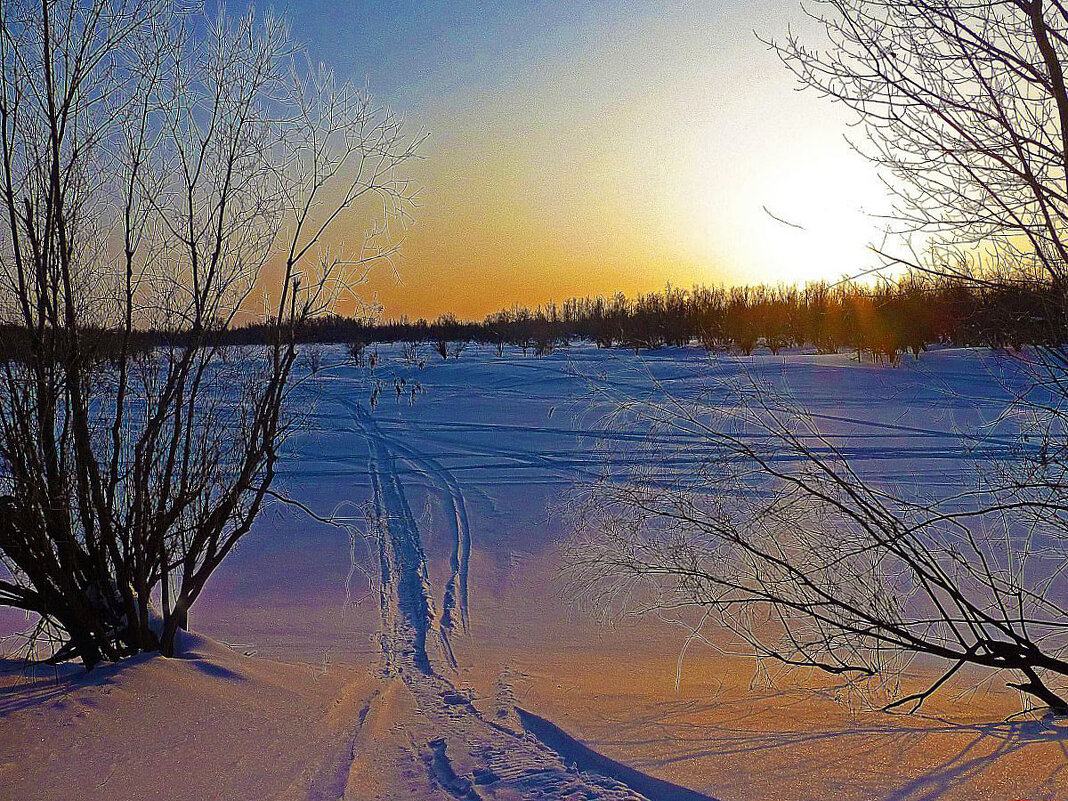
879,322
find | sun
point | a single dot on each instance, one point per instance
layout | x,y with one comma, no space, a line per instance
780,218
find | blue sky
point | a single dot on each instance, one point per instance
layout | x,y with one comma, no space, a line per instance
417,52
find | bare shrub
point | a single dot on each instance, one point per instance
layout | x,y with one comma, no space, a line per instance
171,175
808,565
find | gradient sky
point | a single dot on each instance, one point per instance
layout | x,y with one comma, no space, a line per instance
584,148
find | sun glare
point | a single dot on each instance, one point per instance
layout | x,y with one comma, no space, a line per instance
791,208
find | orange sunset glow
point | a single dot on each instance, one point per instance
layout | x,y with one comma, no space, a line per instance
649,147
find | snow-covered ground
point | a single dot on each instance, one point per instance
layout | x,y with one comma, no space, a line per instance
465,671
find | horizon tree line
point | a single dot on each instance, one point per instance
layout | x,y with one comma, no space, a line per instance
880,322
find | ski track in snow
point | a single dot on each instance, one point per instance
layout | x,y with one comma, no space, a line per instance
545,454
440,745
448,488
498,758
404,594
483,461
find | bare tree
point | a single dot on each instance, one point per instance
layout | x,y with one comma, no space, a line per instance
964,107
809,564
161,172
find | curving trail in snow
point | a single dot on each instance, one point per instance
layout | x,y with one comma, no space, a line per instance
405,598
493,444
421,737
455,598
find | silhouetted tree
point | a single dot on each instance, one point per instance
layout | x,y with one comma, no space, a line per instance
152,167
